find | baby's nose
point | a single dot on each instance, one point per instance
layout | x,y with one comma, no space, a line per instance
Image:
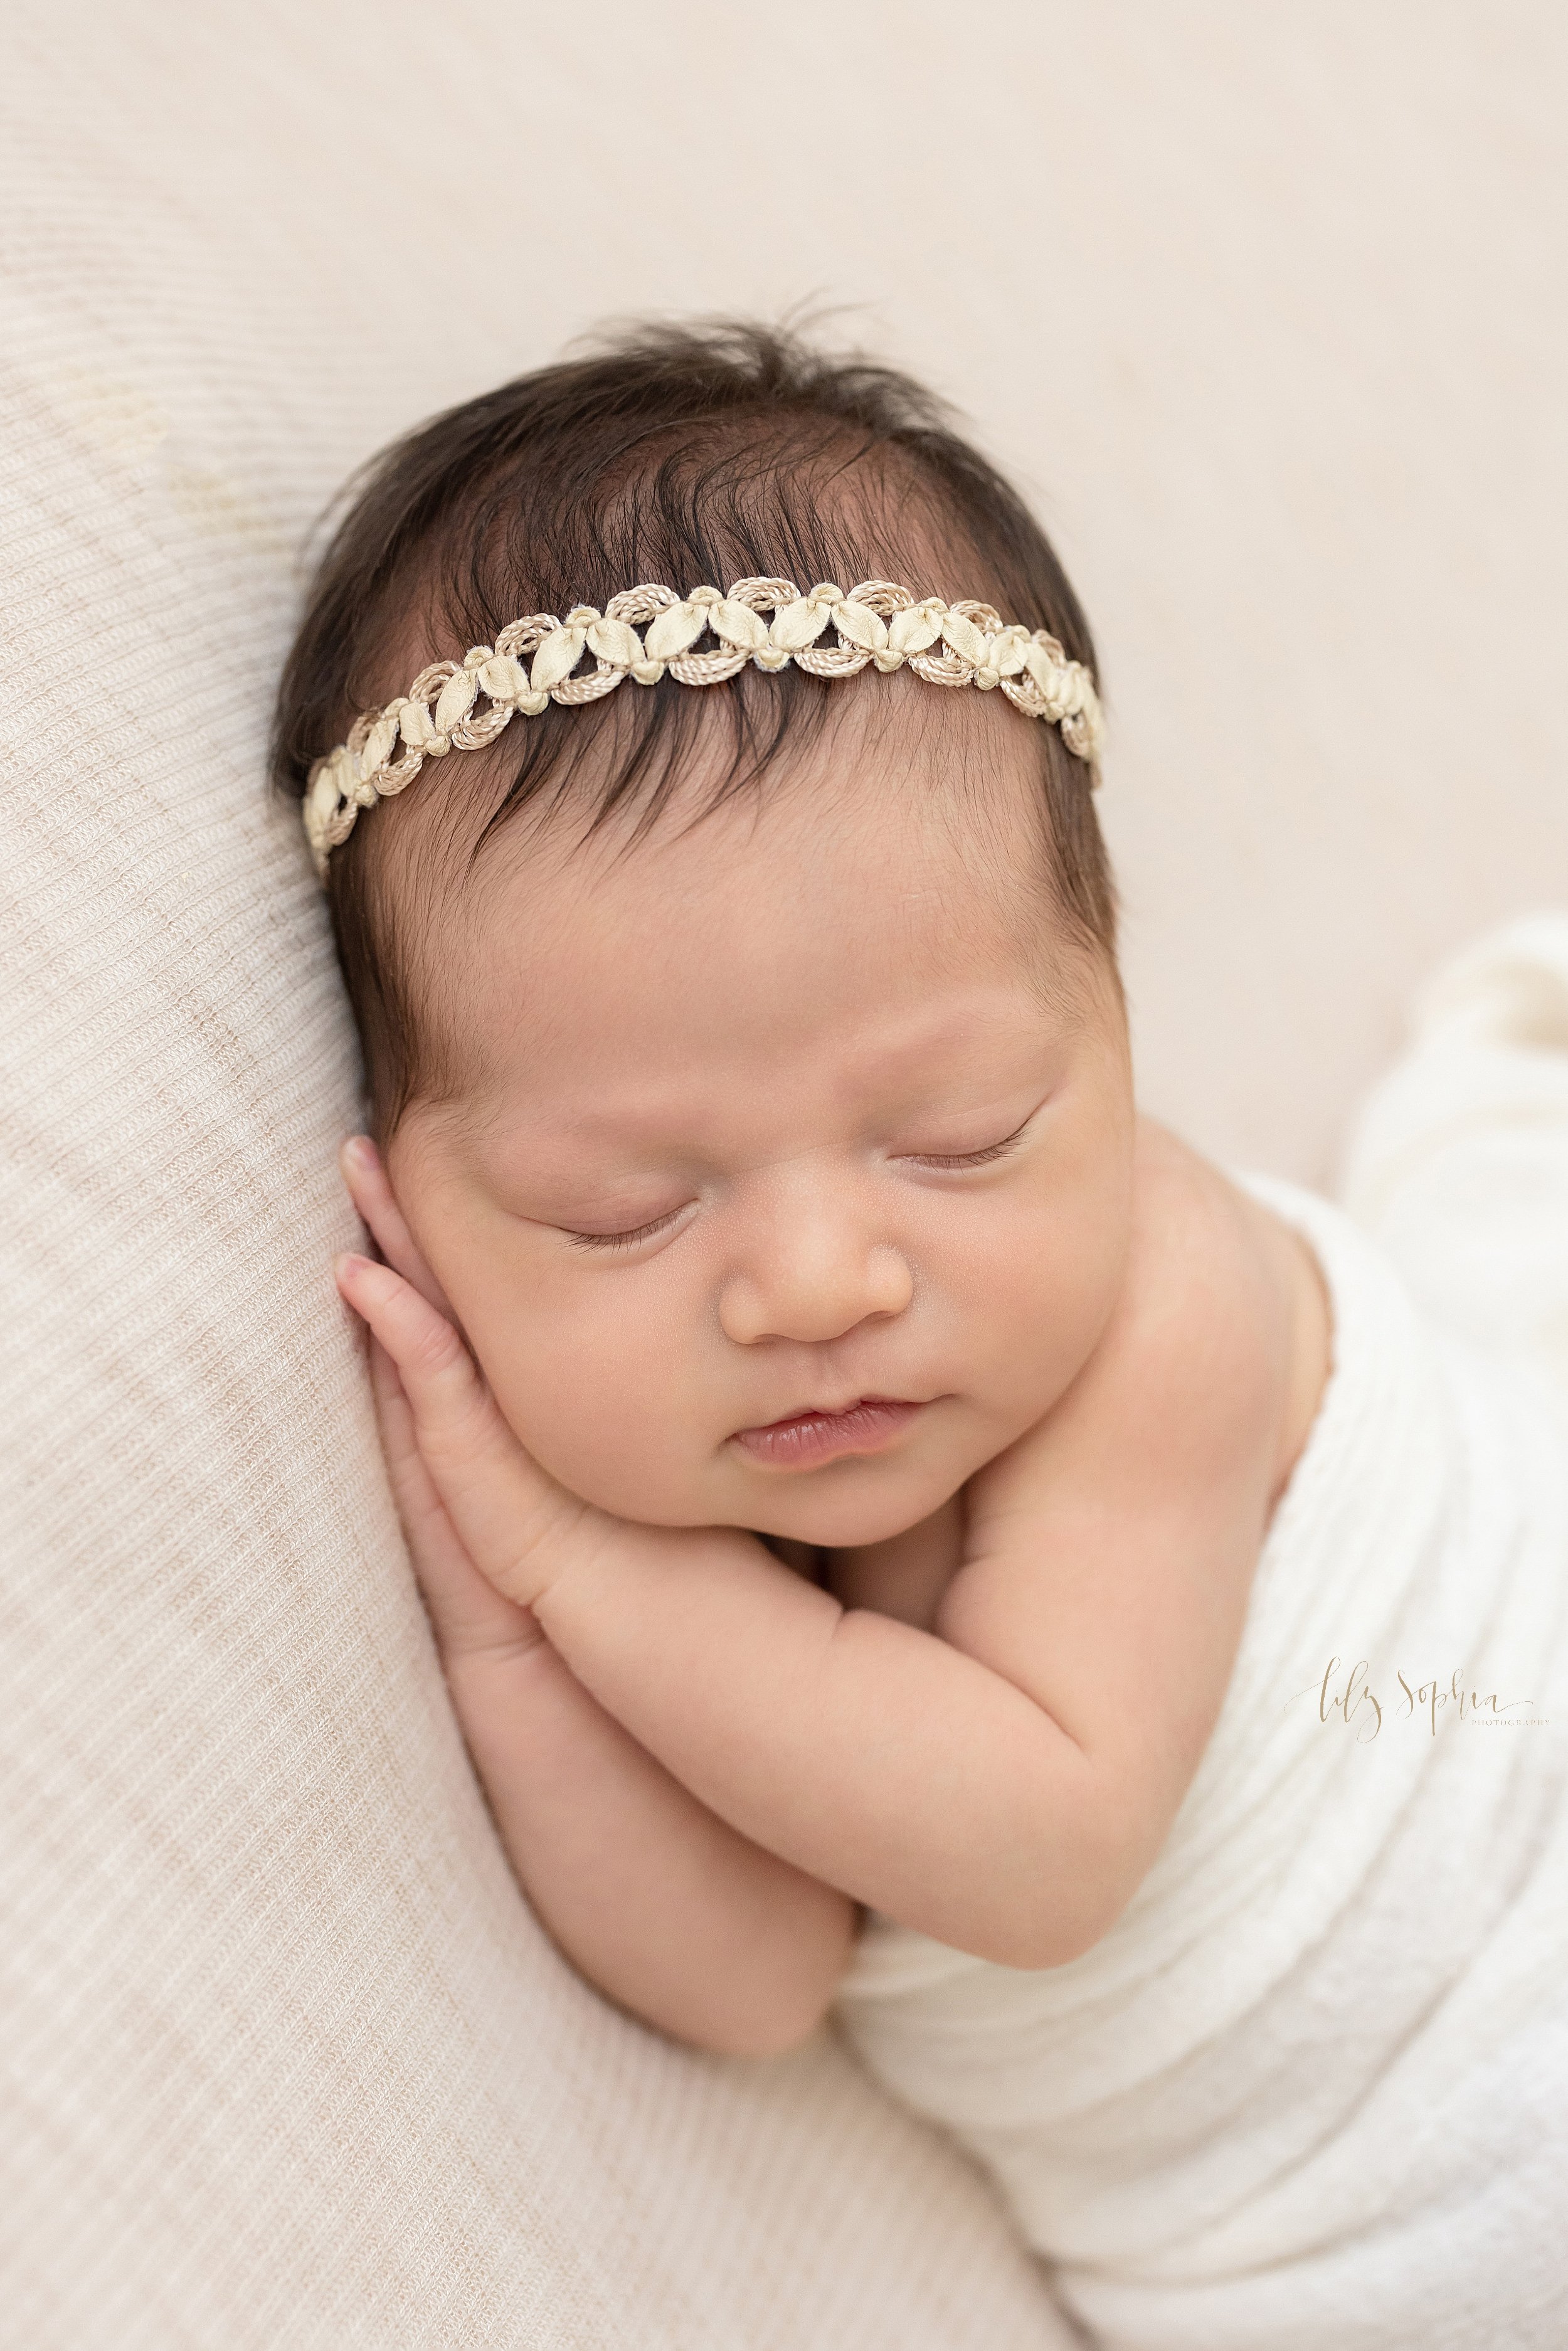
812,1278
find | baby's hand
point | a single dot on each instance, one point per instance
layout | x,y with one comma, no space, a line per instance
656,1895
488,1530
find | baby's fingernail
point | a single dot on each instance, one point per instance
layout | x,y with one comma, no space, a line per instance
349,1265
359,1151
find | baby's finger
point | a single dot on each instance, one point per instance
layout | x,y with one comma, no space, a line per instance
419,1504
515,1522
468,1614
365,1176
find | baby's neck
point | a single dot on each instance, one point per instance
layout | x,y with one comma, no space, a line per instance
903,1576
906,1574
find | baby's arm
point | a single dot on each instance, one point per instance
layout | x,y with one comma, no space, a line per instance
1111,1552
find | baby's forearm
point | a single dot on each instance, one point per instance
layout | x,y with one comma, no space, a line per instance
873,1756
665,1907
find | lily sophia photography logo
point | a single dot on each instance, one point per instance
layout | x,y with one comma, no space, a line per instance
1347,1701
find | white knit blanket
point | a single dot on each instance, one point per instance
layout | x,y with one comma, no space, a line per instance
1312,2089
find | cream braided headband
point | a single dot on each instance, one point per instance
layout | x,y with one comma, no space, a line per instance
874,623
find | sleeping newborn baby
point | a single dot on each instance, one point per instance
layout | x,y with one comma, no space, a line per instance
893,1539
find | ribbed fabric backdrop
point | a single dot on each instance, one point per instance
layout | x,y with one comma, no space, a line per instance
1266,307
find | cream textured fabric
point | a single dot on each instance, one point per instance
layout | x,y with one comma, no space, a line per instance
1456,1161
286,2061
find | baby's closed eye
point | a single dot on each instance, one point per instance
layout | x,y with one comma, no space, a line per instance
629,1238
979,1158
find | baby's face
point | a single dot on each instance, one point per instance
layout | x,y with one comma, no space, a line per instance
807,1106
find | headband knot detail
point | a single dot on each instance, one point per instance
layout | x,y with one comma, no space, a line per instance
462,706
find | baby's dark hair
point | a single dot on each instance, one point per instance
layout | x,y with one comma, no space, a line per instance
685,454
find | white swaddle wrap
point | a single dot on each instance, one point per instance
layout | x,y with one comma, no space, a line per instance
1312,2088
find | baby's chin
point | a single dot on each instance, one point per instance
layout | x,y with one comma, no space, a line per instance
842,1513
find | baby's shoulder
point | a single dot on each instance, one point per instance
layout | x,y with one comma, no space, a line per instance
1202,1251
1222,1310
1226,1300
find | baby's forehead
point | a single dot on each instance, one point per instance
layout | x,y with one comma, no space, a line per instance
893,859
916,826
888,764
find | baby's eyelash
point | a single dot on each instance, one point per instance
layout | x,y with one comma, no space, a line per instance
622,1241
967,1158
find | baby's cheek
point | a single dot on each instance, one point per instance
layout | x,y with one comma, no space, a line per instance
598,1396
1038,1284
